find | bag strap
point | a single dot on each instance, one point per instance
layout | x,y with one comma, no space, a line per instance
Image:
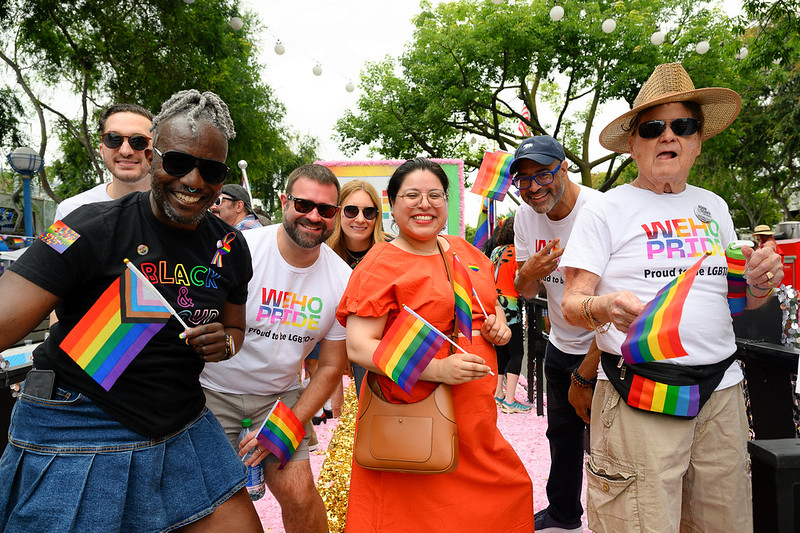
449,271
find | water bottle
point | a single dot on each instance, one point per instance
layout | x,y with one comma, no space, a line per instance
255,474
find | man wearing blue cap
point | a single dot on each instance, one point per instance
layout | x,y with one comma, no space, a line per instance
542,227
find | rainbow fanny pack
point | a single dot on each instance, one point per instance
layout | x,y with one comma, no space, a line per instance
675,390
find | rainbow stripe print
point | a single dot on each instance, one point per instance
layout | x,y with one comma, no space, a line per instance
494,176
676,400
59,236
115,329
737,285
281,432
463,294
406,349
654,335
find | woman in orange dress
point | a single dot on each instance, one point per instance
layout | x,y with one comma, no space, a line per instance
490,489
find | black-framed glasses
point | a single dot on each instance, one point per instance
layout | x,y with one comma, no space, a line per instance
220,199
179,164
542,178
683,127
413,198
351,211
114,140
306,206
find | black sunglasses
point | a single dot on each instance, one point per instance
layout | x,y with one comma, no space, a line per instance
306,206
114,140
351,211
682,127
179,164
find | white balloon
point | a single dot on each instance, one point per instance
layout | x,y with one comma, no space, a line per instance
280,49
702,47
657,38
743,52
609,25
498,2
189,1
242,164
236,23
317,70
349,87
557,13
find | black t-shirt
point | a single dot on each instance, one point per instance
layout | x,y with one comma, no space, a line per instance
159,392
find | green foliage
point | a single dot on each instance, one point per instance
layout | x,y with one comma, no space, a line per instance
143,52
10,112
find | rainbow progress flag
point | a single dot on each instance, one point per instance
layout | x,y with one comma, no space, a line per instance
462,287
281,432
485,223
654,335
676,400
494,176
115,329
407,348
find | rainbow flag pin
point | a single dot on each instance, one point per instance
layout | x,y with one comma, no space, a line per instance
654,335
281,432
494,176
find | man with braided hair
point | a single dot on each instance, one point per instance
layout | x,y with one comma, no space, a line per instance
111,431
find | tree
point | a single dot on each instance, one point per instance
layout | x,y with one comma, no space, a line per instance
144,51
473,65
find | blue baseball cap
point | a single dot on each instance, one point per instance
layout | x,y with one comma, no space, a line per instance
543,149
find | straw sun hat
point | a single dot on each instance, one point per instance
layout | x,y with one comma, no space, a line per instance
668,83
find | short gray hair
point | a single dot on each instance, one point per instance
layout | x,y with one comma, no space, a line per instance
194,105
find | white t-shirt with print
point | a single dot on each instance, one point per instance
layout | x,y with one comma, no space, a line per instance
289,310
532,232
639,241
97,193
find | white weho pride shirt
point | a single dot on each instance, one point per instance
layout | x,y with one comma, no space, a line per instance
532,232
289,310
639,241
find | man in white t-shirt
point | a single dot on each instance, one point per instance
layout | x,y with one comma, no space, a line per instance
541,229
127,151
291,305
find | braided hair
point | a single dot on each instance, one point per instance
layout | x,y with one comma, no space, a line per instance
195,105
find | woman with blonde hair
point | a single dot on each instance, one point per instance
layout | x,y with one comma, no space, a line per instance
358,224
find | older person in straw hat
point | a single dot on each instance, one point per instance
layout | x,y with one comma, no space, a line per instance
669,429
764,234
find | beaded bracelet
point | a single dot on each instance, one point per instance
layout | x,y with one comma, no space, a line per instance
581,381
761,289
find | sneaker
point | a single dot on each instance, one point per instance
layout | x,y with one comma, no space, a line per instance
514,407
544,523
498,401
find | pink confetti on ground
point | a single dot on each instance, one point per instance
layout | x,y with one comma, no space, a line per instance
525,432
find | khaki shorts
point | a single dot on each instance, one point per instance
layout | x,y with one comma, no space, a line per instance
656,473
231,409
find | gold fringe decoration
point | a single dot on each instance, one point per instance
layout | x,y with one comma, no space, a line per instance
334,476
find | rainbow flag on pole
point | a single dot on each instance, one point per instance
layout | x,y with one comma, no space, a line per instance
494,176
281,432
654,335
407,348
115,329
462,286
485,223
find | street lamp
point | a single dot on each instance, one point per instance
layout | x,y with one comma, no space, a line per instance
27,163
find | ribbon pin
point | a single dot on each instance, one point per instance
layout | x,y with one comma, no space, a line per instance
223,247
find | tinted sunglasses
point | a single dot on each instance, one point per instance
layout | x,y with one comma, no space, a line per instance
351,211
682,127
306,206
114,140
179,164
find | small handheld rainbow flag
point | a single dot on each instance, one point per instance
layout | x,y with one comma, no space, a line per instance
654,334
407,348
281,432
462,287
116,328
485,222
494,176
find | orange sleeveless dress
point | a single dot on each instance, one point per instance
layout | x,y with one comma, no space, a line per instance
490,490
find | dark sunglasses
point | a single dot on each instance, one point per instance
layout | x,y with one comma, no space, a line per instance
306,206
179,164
682,127
351,211
114,140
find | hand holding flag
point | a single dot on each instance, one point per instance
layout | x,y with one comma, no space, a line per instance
281,432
